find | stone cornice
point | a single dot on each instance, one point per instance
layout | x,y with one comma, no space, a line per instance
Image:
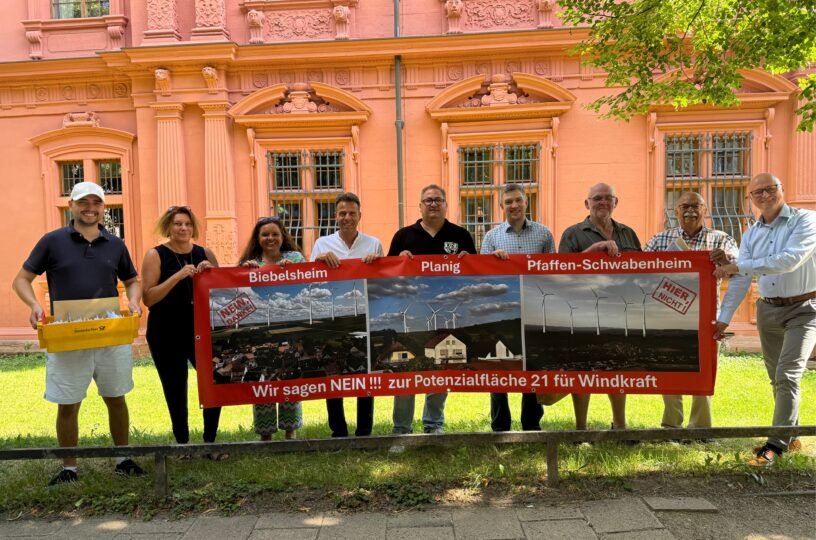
509,112
67,132
302,120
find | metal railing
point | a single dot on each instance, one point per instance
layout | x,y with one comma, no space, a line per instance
552,439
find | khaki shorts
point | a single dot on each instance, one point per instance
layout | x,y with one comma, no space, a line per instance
68,374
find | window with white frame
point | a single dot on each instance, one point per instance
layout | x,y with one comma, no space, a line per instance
303,185
483,170
719,167
108,174
79,9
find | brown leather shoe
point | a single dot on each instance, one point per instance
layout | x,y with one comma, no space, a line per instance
764,458
794,446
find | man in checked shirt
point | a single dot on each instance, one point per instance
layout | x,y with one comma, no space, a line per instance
516,236
779,250
692,235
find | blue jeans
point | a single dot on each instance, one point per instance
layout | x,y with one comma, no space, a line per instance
433,415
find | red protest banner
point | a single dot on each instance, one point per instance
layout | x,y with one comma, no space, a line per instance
586,323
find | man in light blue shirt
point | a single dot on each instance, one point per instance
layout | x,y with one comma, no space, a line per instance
517,235
778,249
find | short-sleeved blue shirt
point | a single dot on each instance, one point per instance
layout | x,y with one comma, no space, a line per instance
77,269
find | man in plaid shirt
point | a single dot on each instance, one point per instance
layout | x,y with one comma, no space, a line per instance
692,235
518,235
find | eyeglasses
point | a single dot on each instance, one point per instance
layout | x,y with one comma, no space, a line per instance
269,219
770,190
438,201
172,209
685,207
602,198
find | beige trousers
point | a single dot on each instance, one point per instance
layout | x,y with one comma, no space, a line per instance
700,415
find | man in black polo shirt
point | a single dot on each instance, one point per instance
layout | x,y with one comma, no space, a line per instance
431,235
83,261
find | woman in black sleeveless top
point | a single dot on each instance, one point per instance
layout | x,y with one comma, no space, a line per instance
167,279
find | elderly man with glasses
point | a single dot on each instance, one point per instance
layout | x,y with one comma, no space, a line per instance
432,234
778,249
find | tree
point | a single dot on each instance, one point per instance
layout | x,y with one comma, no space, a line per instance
700,45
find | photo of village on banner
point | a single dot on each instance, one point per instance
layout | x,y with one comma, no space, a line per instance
638,323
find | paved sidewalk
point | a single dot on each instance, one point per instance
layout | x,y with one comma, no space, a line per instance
629,518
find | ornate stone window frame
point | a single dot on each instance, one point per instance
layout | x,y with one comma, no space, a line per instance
536,122
40,24
314,131
90,144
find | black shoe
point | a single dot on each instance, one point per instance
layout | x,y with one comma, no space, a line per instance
129,468
65,476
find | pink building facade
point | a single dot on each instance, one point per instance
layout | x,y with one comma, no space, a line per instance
248,108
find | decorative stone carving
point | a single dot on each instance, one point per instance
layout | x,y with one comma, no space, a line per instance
453,10
302,24
34,38
500,13
455,72
542,67
163,81
210,75
210,20
116,32
260,79
341,21
255,21
68,92
80,119
315,75
41,94
342,77
301,99
120,90
355,142
94,91
499,93
162,21
545,9
512,67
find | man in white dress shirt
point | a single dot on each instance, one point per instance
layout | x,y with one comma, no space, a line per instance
779,250
348,243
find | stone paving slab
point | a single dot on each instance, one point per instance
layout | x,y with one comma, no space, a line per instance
283,520
430,518
619,515
654,534
679,504
574,529
546,513
93,529
30,528
284,534
421,533
486,524
159,526
149,536
219,528
352,527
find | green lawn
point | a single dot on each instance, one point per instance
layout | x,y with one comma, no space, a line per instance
742,398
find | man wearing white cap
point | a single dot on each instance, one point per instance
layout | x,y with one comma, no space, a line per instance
83,261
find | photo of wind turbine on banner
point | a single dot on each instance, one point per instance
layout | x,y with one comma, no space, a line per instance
289,331
445,322
611,322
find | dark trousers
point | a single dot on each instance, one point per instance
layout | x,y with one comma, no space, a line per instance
173,375
337,417
531,412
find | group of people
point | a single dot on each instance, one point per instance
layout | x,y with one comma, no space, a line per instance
83,261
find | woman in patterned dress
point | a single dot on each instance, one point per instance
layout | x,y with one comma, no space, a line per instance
271,244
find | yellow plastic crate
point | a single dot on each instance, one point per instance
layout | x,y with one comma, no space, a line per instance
92,334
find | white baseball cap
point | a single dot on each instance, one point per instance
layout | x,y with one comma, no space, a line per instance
83,189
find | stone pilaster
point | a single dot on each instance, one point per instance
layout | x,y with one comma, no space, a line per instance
170,175
162,22
804,165
219,183
210,21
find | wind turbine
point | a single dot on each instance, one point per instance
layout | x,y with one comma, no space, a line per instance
331,293
433,315
310,303
405,318
454,315
354,292
645,294
572,321
544,309
597,313
626,305
268,309
447,323
428,322
212,315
